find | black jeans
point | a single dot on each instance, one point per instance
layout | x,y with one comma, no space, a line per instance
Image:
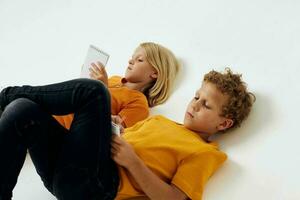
74,164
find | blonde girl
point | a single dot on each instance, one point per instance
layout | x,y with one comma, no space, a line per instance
147,82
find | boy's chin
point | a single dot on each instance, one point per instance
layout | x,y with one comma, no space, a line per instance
187,124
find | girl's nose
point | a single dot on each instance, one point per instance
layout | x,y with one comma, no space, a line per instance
130,61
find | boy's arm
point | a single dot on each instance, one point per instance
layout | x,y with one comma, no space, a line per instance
124,155
152,185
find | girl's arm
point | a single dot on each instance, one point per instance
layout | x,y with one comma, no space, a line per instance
124,155
98,72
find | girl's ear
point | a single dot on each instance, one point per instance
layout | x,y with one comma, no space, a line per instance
226,124
154,75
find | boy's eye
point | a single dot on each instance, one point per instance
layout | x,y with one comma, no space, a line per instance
196,98
206,106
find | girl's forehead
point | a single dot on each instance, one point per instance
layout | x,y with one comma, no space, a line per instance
140,52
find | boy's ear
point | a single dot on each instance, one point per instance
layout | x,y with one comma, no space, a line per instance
225,124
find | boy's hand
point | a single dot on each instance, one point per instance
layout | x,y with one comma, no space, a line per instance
98,72
122,152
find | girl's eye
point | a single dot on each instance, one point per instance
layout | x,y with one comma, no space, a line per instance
196,98
140,60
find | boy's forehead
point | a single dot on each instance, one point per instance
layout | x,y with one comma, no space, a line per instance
203,85
199,88
211,90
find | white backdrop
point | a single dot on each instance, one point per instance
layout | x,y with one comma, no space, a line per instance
46,41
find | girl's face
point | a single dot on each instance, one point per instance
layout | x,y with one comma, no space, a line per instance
203,112
139,69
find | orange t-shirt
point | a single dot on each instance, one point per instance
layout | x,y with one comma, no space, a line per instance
131,105
174,153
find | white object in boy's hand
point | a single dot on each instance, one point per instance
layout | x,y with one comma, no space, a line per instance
115,129
93,55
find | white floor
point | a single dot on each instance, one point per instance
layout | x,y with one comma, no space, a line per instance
30,186
44,42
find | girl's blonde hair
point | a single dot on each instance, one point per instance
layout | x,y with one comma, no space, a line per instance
167,67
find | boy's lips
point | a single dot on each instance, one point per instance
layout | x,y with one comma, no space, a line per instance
190,114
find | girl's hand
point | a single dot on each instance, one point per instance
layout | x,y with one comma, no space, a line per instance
122,152
98,72
118,120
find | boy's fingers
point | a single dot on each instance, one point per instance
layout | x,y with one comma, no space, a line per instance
115,148
114,152
117,140
114,138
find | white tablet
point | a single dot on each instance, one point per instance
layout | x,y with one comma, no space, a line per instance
93,55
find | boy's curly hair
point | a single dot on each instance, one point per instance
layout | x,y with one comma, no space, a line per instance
239,101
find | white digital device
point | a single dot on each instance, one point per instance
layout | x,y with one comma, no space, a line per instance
115,128
93,55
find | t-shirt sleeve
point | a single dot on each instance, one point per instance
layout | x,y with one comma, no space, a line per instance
194,171
113,80
64,120
136,126
135,110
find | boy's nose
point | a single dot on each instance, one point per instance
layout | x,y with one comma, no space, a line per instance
195,106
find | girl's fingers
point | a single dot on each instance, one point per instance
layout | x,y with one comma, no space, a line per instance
92,70
92,73
114,118
94,76
120,119
100,65
98,69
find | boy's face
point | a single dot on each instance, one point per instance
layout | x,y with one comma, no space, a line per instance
203,112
